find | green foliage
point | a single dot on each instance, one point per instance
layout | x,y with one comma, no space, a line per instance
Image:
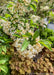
36,34
51,38
4,41
34,0
51,13
4,63
27,34
7,15
33,6
25,44
4,68
17,35
51,16
9,5
46,43
3,73
47,34
3,48
3,18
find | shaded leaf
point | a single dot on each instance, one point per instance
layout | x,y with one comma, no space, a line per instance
36,34
3,60
0,49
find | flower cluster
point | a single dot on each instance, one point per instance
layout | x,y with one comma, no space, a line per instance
17,23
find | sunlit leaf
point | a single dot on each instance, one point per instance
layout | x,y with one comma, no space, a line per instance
18,30
3,18
4,68
9,4
0,27
46,43
7,15
27,34
36,0
24,45
33,6
4,48
17,35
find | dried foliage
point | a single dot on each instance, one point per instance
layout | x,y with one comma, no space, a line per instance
46,62
20,65
50,55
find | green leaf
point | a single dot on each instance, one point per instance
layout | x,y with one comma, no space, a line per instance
0,27
52,14
4,48
46,43
36,34
34,0
17,35
18,30
1,40
33,6
9,4
0,49
7,15
27,35
51,38
20,0
31,21
4,68
3,18
25,44
3,60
